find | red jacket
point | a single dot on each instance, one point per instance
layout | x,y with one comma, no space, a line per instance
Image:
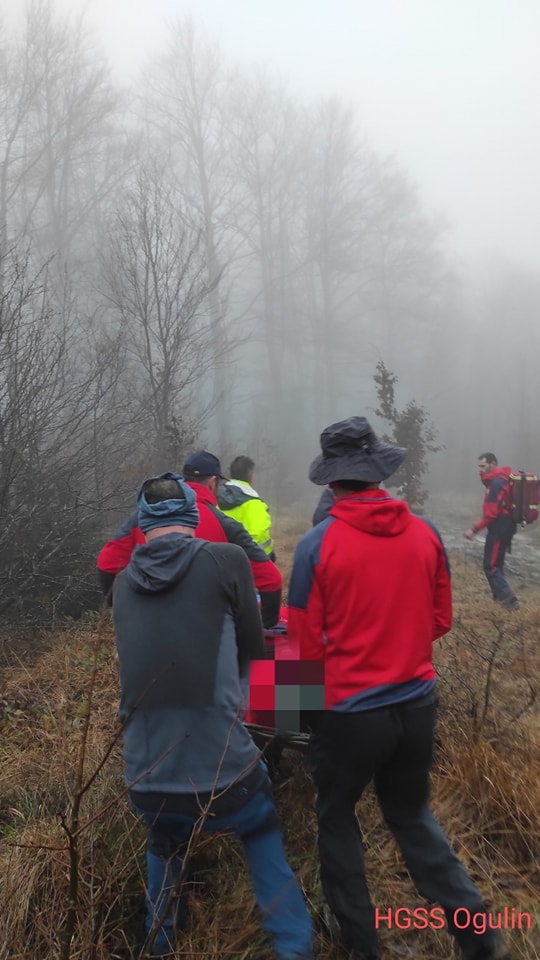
214,526
369,593
495,497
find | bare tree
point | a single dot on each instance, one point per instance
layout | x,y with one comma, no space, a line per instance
339,218
373,261
156,283
183,106
64,147
267,138
48,395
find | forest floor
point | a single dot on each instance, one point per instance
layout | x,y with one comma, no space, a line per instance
59,749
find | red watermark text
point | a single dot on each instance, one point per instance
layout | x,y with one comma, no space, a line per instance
433,918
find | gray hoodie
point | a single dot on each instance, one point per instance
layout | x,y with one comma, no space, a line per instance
187,625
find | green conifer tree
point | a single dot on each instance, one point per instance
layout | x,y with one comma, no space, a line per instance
411,428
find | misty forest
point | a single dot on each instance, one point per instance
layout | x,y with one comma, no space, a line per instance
205,261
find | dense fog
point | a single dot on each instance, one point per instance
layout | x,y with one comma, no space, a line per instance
205,259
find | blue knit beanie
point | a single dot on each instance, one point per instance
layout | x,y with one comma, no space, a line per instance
168,513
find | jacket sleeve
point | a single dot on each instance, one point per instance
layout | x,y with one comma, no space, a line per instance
442,597
306,627
442,590
306,606
493,504
116,553
267,578
259,523
106,581
442,586
249,634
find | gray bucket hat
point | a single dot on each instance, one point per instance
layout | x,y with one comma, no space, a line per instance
352,451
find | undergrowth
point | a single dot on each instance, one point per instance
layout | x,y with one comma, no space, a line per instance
60,752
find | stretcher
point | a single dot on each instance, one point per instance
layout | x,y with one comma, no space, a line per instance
272,681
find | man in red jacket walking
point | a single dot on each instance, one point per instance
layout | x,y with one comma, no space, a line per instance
369,593
202,472
499,525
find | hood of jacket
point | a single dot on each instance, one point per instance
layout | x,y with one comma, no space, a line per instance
487,478
374,512
234,493
202,493
162,563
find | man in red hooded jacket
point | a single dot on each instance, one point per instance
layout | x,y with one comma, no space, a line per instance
202,472
369,593
499,525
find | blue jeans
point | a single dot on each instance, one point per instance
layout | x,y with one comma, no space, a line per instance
284,913
391,746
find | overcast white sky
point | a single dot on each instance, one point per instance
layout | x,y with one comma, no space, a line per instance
451,87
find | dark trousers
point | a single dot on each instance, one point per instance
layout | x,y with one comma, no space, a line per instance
498,544
393,747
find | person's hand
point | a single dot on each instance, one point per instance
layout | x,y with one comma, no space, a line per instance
470,533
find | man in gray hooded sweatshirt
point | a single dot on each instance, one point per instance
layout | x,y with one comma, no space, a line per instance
187,626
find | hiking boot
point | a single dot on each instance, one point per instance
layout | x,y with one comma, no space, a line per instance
329,924
332,931
511,604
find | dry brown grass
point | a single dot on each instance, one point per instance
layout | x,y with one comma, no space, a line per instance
486,792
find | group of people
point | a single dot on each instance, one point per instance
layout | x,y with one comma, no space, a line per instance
369,593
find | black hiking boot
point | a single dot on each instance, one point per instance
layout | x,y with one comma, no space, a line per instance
331,929
512,604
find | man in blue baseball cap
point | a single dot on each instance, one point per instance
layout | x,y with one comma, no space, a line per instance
202,473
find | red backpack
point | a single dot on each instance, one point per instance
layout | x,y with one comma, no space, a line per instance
523,497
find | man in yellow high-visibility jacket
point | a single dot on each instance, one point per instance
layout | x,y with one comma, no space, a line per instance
239,500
